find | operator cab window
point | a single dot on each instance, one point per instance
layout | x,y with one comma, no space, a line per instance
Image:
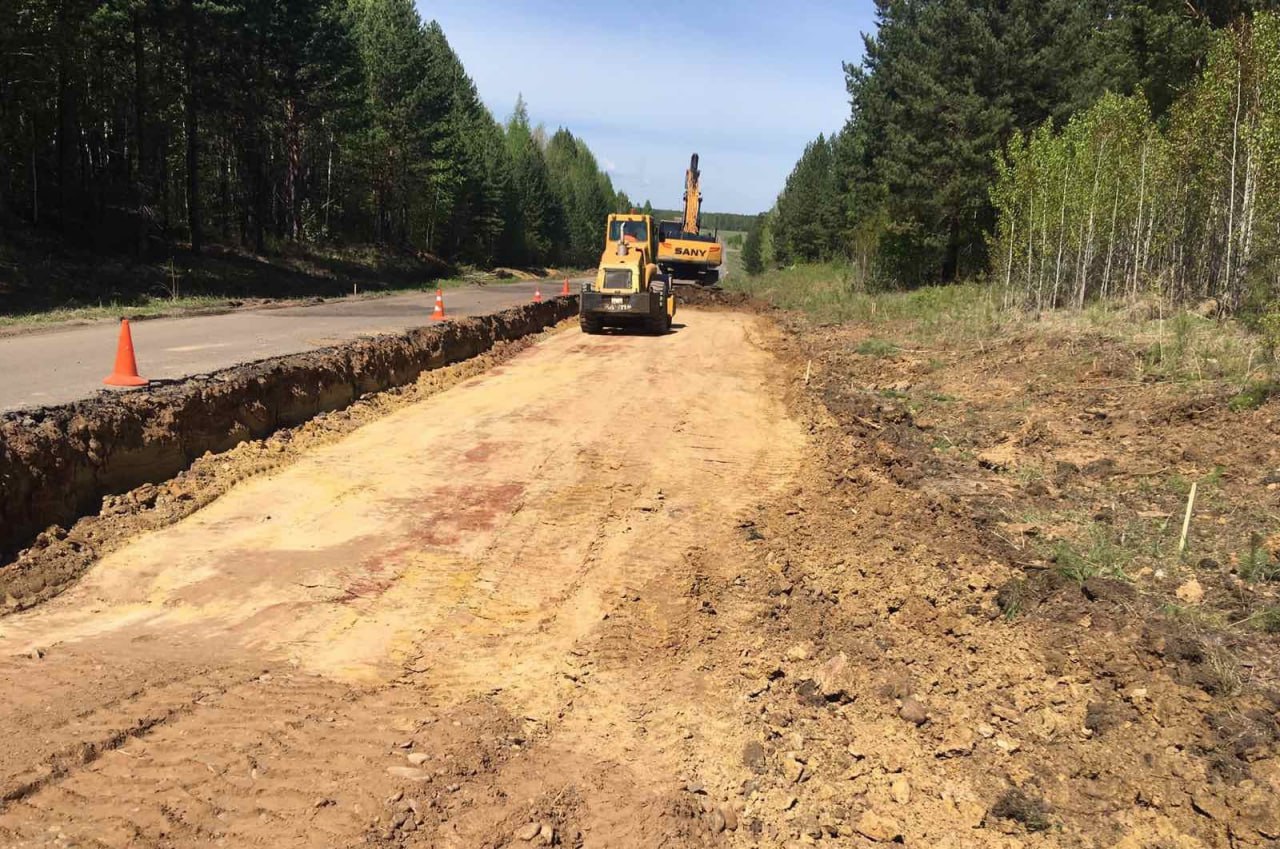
637,230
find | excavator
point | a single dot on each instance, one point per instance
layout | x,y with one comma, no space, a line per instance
629,289
684,251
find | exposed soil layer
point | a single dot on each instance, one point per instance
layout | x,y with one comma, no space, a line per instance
489,610
745,597
57,463
957,673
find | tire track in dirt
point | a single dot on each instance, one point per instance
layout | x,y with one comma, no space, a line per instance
500,576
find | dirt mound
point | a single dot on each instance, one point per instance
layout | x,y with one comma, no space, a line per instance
698,296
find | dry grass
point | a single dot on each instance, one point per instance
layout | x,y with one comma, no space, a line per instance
1172,344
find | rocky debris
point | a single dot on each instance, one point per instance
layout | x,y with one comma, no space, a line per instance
1016,805
793,768
999,458
1190,592
800,652
913,711
878,827
957,741
417,758
529,832
1007,745
409,773
753,756
834,680
900,790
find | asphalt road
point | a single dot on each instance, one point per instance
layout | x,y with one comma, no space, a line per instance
68,363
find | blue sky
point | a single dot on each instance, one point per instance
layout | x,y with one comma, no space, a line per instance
745,84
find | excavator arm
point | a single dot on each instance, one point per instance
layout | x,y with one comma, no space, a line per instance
692,197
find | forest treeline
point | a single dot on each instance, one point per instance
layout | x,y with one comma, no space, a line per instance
1065,149
134,126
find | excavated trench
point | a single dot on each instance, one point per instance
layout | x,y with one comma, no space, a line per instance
57,463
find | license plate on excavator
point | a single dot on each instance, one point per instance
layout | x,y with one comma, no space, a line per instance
618,300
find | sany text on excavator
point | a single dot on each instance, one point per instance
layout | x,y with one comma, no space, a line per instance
684,251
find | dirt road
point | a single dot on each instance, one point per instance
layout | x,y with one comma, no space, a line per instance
482,613
68,363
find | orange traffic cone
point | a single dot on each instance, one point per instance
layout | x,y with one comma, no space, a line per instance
126,370
565,290
439,313
537,294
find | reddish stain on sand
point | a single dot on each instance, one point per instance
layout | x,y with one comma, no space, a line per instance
447,514
481,452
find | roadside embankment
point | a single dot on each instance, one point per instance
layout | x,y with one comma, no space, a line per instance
57,463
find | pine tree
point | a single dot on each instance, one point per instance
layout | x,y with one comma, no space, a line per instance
536,214
807,228
752,253
134,124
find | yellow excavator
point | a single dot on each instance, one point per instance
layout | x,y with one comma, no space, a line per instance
684,251
629,289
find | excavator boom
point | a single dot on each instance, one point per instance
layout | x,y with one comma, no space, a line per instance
692,197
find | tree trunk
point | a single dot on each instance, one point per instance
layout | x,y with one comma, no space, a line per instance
66,128
328,188
258,204
1086,248
1225,286
142,178
1137,226
192,127
292,169
1062,235
1111,246
226,213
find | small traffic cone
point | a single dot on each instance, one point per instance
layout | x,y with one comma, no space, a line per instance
537,294
438,315
565,290
126,370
